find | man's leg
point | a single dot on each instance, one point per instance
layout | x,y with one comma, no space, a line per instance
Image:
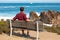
27,32
22,31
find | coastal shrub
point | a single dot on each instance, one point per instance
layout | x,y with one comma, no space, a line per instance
3,27
53,29
49,29
57,30
0,31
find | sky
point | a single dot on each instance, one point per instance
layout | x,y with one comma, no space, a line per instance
29,1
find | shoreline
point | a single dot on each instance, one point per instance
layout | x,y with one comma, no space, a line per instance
5,18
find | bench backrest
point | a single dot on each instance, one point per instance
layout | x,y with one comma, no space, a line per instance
27,25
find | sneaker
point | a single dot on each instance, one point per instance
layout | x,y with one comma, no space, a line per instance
24,35
28,35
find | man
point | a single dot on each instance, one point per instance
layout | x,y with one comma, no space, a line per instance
22,16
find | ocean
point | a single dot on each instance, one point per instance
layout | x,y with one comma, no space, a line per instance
9,10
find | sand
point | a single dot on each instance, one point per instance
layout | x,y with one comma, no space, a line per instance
42,36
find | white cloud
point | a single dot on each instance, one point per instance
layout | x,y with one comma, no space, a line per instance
29,1
4,1
51,1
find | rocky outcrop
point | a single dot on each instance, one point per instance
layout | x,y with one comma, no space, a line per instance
33,16
50,17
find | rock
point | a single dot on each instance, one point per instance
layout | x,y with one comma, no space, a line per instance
33,16
50,17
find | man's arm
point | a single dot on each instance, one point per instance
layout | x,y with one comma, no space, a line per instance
26,19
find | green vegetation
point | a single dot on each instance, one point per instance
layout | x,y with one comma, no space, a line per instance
3,27
53,29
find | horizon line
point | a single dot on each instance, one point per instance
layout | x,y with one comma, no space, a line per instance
31,2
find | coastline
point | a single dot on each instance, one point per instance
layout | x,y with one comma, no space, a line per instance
13,9
5,18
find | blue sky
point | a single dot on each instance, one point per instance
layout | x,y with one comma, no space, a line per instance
29,1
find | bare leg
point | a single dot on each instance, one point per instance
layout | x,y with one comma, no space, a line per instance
22,31
27,32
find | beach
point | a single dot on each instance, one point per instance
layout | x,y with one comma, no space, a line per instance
42,36
9,10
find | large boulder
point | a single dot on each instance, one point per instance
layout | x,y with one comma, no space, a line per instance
33,16
50,17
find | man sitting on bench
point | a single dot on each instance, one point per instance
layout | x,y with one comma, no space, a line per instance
21,16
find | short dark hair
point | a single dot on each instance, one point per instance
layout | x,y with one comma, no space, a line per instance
21,8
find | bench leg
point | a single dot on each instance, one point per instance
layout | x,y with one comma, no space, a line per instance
37,35
10,28
10,31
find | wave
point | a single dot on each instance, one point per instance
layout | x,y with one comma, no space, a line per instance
5,18
25,6
12,6
7,6
50,25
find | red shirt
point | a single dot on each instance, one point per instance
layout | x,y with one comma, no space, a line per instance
20,16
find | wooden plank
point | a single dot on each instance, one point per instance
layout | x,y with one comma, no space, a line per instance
27,25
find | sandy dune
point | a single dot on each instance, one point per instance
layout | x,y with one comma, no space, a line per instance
42,36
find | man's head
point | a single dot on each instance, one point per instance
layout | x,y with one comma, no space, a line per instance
21,8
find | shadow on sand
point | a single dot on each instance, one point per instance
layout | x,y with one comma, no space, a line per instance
20,35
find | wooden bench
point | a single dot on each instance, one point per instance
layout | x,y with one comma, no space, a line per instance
34,26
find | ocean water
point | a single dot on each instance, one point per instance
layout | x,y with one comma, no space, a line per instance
11,9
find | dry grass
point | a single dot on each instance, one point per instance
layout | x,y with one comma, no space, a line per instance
3,27
53,29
